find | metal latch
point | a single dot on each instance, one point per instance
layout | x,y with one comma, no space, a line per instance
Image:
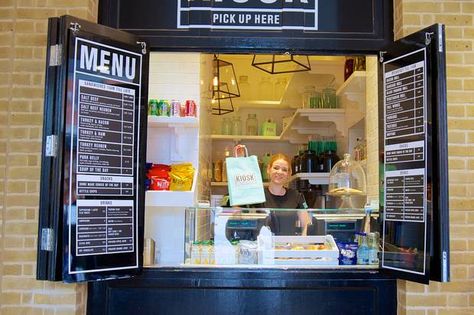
55,55
51,146
47,239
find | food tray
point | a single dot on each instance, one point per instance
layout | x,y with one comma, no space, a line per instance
302,250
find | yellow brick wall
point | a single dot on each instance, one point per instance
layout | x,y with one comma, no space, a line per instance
456,297
23,27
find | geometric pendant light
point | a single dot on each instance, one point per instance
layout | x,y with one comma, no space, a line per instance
286,63
224,87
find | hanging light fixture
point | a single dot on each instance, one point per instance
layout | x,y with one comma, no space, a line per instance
224,87
224,82
222,106
286,63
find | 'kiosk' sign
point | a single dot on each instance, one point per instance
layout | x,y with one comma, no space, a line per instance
249,14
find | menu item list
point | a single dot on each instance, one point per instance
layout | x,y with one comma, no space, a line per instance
405,181
105,139
104,227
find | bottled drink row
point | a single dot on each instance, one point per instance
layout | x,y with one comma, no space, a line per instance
317,156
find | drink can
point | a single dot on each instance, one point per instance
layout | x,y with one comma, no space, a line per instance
163,108
153,107
175,108
191,109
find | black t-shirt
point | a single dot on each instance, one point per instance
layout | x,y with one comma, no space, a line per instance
281,222
284,222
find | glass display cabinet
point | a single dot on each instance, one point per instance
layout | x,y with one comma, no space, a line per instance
250,237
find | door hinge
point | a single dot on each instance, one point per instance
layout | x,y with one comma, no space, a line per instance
428,37
47,239
381,53
143,44
51,148
445,273
440,38
55,55
74,27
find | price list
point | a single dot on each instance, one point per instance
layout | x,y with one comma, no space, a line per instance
404,139
104,227
404,101
105,139
405,195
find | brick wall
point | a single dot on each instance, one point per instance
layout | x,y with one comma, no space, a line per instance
23,27
456,297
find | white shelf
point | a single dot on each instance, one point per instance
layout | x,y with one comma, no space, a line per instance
353,87
245,138
168,198
165,121
313,178
315,121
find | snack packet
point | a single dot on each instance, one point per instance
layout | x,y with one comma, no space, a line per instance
181,176
159,177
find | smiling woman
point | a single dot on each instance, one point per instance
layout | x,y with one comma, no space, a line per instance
277,195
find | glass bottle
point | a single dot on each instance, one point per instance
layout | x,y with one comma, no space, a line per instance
236,126
363,250
251,125
330,156
226,126
373,244
310,162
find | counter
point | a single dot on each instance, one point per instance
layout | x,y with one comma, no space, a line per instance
246,291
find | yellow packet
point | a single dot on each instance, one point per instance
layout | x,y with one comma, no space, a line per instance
181,177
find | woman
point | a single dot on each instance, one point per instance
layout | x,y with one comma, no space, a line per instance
278,195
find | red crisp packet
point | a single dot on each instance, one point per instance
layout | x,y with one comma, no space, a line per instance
159,177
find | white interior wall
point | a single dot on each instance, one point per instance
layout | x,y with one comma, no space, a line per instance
172,76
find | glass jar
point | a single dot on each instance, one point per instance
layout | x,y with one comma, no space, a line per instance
251,125
329,98
236,126
315,100
226,127
309,92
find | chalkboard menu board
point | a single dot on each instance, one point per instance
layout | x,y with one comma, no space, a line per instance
405,163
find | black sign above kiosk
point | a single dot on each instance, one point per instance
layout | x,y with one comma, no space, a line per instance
250,25
245,15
